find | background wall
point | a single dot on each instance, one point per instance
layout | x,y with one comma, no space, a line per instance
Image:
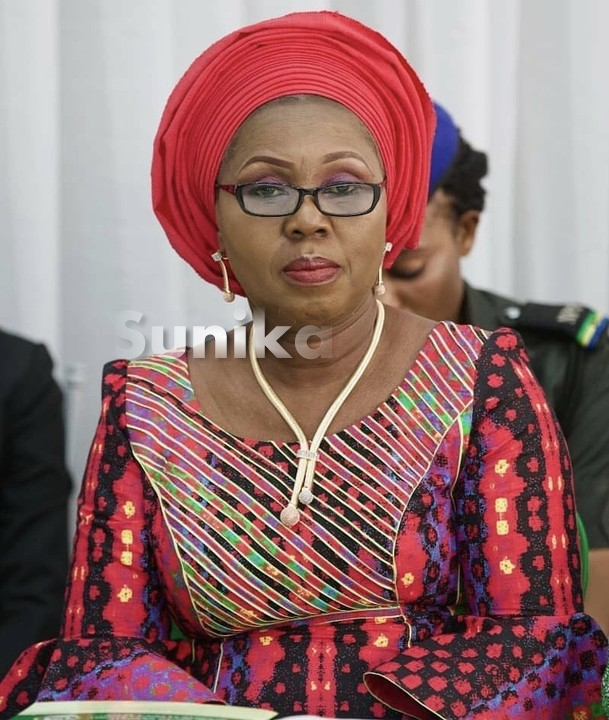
82,87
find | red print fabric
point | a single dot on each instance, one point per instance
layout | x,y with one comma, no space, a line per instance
435,575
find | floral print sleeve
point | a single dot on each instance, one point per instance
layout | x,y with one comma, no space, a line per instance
523,648
116,626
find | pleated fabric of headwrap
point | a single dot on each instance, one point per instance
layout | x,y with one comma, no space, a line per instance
320,53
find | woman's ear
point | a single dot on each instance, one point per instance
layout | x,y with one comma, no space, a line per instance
466,231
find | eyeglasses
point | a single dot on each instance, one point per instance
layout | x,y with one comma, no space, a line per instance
344,199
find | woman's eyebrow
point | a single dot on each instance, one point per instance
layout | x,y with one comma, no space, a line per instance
341,154
269,159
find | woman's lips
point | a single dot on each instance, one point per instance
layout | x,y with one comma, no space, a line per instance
311,271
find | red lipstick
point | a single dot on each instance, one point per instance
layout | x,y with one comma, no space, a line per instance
311,270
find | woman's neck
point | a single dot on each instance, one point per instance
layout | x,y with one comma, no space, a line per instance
337,350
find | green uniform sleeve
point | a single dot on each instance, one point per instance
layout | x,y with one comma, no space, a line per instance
587,433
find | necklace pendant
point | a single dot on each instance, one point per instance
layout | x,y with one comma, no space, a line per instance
289,516
306,497
307,454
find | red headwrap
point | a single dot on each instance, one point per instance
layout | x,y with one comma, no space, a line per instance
318,53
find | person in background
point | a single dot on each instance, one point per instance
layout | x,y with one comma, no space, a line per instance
568,345
34,496
308,519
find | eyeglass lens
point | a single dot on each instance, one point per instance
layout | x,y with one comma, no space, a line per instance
338,199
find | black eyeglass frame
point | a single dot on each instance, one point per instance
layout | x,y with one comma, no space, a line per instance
237,191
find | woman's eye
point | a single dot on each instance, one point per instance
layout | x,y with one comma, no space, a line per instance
413,273
265,191
341,189
406,271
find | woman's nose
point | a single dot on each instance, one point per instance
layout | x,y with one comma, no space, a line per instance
307,220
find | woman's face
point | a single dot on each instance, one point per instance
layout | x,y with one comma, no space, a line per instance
427,281
307,265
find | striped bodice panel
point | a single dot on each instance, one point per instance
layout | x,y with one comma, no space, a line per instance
220,495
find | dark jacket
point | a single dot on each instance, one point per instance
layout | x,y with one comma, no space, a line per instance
34,496
576,382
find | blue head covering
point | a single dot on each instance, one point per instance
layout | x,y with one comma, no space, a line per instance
445,144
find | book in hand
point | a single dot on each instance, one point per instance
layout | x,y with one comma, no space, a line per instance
140,710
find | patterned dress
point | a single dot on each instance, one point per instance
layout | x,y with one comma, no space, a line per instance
605,690
435,575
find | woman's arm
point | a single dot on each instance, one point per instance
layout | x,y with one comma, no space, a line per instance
516,486
523,648
114,643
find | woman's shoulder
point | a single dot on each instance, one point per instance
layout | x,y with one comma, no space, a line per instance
448,343
160,369
502,338
132,389
471,351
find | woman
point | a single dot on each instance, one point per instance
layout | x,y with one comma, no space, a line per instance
309,523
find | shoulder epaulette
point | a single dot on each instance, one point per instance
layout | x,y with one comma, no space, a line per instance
585,326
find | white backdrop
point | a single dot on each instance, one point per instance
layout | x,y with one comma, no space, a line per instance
82,87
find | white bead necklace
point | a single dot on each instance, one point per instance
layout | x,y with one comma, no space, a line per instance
307,453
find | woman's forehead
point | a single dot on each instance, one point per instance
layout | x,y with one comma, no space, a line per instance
298,115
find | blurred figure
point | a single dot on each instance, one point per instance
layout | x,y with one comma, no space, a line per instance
34,493
568,345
